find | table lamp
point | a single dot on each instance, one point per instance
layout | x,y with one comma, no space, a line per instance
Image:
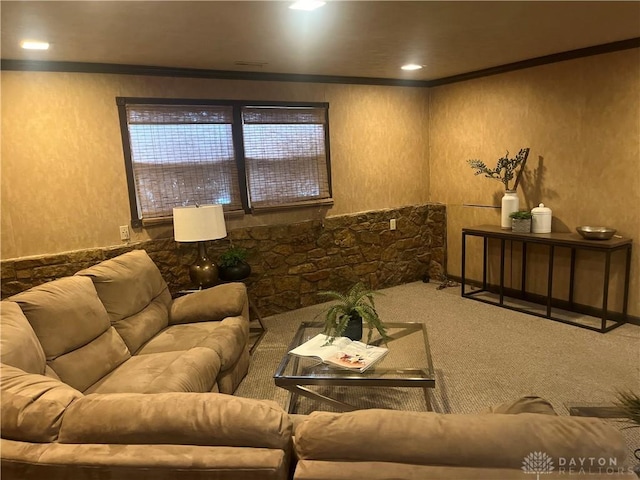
200,223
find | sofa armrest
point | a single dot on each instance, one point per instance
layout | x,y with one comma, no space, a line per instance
428,438
211,305
32,405
208,419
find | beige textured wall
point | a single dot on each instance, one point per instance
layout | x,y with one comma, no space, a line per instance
63,177
581,119
64,188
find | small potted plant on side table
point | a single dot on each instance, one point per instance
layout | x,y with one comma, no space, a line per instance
232,266
346,318
521,221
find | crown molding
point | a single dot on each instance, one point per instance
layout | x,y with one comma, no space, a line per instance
147,70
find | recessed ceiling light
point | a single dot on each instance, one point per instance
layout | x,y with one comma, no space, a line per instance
411,66
34,45
307,5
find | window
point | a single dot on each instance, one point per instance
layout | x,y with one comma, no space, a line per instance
285,155
244,156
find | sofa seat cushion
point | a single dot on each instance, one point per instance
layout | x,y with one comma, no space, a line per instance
134,294
193,370
19,345
32,405
64,461
227,338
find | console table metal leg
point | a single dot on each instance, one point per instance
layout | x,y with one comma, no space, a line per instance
605,293
550,281
572,276
464,268
523,280
627,274
485,249
502,242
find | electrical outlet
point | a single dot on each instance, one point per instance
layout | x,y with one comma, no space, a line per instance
124,232
392,224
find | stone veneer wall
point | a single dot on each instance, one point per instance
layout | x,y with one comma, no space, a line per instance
290,263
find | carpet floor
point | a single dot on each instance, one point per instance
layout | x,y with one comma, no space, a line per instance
482,355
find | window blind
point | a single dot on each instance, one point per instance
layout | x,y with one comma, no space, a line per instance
285,156
182,155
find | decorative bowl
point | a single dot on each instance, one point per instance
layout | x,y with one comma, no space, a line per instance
596,233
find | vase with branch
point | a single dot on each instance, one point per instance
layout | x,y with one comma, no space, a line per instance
504,172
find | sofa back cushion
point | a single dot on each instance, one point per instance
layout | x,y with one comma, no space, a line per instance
457,440
19,345
177,418
134,294
32,405
74,330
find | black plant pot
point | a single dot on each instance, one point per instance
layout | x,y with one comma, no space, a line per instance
354,328
235,273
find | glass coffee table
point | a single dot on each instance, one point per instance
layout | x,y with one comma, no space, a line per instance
407,364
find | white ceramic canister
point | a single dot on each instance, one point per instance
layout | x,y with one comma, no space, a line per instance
541,219
510,204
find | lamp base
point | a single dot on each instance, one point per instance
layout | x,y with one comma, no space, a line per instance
203,273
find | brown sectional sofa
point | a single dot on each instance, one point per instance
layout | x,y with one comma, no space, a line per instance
105,376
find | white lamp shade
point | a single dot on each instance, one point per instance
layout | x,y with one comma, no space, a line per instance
198,224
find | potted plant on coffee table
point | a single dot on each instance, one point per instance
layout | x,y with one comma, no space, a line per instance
353,309
232,266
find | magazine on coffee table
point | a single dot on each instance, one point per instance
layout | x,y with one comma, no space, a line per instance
342,352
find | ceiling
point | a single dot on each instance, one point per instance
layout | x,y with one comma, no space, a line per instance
344,38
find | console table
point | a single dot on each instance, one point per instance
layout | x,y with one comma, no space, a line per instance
552,240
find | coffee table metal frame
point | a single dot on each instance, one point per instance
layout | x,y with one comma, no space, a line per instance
422,376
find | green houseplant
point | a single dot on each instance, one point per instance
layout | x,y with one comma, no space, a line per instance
629,403
346,317
232,265
521,221
521,215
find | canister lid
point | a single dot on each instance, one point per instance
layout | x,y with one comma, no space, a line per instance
541,210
